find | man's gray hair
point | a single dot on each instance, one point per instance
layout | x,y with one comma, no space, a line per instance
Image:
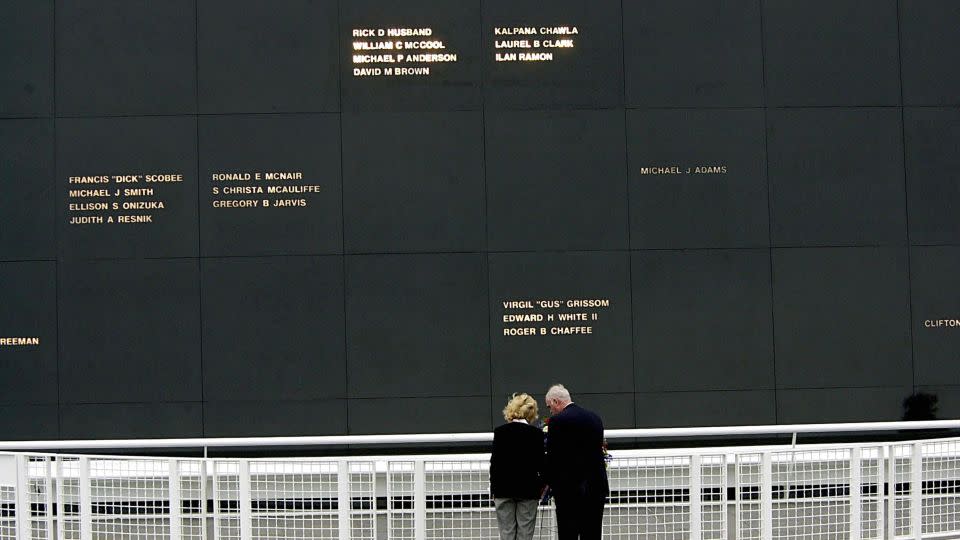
557,391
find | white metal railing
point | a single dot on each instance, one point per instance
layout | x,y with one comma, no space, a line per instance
862,491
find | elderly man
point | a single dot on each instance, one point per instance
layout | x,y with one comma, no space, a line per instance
575,470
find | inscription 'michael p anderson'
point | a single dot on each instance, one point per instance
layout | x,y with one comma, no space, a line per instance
390,52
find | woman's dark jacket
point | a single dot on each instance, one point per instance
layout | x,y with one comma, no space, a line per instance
516,465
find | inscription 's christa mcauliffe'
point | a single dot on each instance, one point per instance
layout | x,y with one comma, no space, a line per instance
248,189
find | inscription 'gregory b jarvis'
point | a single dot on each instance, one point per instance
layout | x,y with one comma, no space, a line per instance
233,189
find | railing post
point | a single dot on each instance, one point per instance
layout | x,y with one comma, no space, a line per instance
856,500
50,500
84,500
203,500
766,496
695,499
61,501
215,497
174,488
22,500
916,491
892,495
881,485
343,499
246,518
420,500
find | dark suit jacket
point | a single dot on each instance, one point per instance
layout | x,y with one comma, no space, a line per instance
516,465
574,453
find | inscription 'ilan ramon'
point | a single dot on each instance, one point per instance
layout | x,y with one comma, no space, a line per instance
532,43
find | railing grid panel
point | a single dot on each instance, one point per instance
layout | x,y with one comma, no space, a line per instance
749,480
8,513
68,489
363,500
811,498
458,500
294,500
130,499
901,488
713,498
649,498
400,491
38,495
941,488
871,494
226,502
193,504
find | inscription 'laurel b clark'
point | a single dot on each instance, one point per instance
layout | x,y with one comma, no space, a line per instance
532,43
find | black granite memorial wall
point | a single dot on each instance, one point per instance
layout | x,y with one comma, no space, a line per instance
308,217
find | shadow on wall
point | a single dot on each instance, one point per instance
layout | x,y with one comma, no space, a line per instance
920,406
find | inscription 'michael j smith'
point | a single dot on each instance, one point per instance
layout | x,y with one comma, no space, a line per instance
118,198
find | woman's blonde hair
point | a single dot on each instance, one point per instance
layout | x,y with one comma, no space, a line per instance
520,406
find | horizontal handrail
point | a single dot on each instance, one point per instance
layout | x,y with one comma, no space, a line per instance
456,438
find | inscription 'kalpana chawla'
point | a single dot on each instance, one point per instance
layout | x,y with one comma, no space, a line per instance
117,199
532,43
398,52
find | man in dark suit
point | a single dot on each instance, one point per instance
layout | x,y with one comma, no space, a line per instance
575,469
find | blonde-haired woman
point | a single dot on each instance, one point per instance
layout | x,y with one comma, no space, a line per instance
516,469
